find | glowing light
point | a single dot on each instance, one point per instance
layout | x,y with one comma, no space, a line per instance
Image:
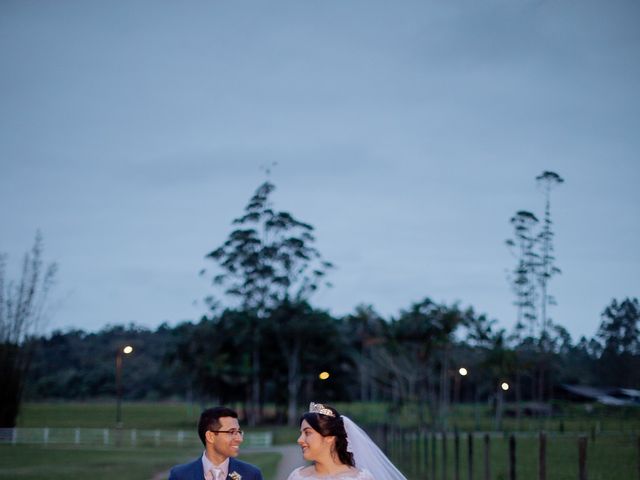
463,371
128,349
324,375
504,386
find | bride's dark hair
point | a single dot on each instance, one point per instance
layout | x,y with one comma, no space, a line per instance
331,426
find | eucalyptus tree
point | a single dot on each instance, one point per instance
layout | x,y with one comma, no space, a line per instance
619,330
365,329
547,181
302,342
416,356
500,364
522,277
211,356
23,309
269,258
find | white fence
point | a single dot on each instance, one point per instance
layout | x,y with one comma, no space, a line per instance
116,437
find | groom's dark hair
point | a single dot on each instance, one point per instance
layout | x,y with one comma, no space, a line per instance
210,420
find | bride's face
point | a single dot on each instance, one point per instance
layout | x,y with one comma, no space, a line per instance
314,446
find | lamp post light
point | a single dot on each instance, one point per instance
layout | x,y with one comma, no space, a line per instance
462,372
504,387
119,354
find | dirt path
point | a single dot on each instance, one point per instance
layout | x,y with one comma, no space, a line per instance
291,459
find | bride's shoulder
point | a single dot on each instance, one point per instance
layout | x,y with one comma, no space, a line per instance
364,475
300,472
309,473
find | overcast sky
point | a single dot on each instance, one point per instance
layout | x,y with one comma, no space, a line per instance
408,133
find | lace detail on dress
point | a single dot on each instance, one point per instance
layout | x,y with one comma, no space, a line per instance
309,473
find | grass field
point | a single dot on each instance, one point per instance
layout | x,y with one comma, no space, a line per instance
184,416
31,462
610,457
612,451
162,416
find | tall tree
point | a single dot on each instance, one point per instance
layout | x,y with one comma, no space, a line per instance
268,259
305,342
365,328
23,308
522,277
416,356
547,181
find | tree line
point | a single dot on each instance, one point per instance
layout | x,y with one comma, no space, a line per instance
412,358
268,344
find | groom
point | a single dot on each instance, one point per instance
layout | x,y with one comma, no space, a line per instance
220,433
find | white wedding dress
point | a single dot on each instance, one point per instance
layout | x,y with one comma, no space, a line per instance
371,462
309,473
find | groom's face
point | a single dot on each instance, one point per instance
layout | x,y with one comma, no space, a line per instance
224,445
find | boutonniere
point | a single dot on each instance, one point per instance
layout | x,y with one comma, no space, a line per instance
235,476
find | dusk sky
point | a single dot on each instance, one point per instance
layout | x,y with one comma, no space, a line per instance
407,133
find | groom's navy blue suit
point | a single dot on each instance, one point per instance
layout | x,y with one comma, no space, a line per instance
194,470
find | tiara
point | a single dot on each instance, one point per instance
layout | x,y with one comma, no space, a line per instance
321,409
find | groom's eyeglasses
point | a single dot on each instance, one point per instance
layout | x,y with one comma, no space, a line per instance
232,433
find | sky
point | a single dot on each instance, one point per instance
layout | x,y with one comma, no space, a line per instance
407,133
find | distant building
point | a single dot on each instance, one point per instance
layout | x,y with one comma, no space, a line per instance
614,396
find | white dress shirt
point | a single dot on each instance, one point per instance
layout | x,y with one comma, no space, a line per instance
209,468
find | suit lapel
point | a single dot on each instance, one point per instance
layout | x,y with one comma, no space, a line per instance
232,466
197,470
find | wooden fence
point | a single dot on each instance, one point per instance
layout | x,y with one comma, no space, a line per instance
428,455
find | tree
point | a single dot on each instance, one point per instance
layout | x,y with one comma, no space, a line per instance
365,328
547,181
522,277
619,338
270,258
620,327
211,355
23,309
303,342
416,356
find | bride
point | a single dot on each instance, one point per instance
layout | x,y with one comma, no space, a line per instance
339,449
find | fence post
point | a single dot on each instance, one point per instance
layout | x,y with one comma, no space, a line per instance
433,455
638,456
105,436
582,458
77,436
425,436
134,437
487,457
542,457
470,456
416,450
14,436
45,435
157,437
456,454
512,457
444,455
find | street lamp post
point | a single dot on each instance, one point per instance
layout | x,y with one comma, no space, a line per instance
504,387
462,372
119,354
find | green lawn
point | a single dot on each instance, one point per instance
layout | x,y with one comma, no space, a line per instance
29,462
612,449
610,457
152,416
184,416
